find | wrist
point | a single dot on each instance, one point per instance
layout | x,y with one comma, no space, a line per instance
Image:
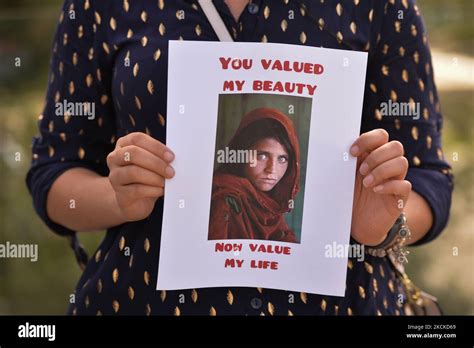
115,212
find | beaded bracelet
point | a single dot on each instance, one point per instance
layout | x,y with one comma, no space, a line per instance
398,235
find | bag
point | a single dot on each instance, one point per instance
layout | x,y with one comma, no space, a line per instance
418,302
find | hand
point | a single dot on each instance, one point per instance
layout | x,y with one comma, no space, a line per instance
380,192
138,167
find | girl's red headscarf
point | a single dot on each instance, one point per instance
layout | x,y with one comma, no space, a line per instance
260,214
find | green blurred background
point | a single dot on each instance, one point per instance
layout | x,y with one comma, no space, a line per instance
444,267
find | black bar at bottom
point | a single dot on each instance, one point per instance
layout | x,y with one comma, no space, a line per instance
219,330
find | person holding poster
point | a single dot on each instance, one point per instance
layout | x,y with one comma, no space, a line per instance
108,171
249,199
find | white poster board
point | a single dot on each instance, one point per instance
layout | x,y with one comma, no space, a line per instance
199,74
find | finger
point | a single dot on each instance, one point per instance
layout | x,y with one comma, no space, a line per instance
145,141
380,155
394,168
369,141
136,175
400,188
137,191
133,154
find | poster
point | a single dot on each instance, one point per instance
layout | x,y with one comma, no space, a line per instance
264,180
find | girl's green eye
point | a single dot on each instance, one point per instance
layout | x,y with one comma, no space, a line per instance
283,159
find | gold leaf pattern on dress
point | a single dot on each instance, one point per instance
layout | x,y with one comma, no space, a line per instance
136,67
71,88
212,312
144,16
116,306
368,267
162,29
323,305
303,37
131,293
89,80
353,27
177,311
115,275
138,103
106,48
99,286
113,23
146,245
416,161
271,308
97,255
194,295
98,20
230,297
146,277
405,75
163,295
391,286
304,297
81,153
150,87
361,292
157,54
414,133
161,119
266,12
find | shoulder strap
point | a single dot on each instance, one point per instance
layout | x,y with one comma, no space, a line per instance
215,19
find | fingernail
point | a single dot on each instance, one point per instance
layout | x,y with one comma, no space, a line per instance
364,168
378,188
354,150
168,156
368,180
169,171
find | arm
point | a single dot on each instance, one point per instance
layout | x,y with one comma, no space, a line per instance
400,71
71,204
138,167
77,179
419,216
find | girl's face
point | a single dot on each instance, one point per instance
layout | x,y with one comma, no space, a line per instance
272,163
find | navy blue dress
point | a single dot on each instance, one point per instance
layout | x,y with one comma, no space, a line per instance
115,54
